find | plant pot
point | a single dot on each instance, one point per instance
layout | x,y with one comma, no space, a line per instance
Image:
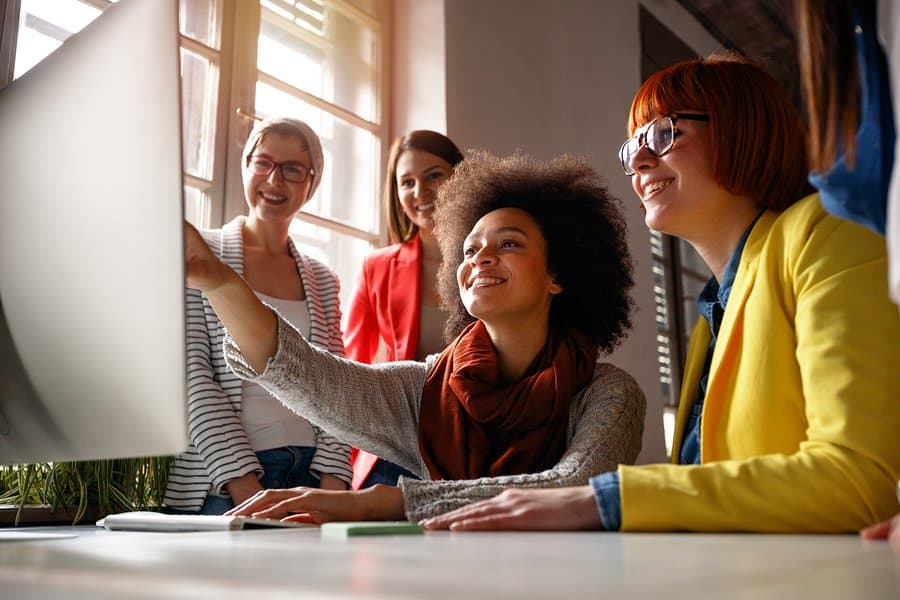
42,514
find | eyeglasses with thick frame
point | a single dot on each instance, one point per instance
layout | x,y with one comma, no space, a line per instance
658,136
291,171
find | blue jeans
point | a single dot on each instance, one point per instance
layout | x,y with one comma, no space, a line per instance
385,472
284,467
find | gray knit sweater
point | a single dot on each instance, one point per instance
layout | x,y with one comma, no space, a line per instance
376,408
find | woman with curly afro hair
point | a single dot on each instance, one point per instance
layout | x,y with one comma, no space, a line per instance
582,227
536,275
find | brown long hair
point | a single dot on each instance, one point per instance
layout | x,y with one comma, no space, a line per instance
400,227
830,78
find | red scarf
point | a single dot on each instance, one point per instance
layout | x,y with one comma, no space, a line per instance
471,425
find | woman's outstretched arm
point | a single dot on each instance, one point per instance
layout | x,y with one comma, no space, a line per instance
250,323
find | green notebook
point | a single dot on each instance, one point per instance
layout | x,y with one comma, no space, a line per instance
341,530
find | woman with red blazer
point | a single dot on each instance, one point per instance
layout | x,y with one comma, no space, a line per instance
395,313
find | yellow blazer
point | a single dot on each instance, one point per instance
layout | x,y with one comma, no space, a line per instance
801,423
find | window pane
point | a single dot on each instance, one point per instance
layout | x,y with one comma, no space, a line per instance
660,297
199,89
196,206
669,413
658,244
691,260
692,286
44,25
199,20
347,149
371,7
344,254
322,51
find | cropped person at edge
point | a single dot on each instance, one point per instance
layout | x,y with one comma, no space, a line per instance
849,58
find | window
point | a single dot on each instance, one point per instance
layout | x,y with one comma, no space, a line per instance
44,25
322,62
200,29
679,273
318,60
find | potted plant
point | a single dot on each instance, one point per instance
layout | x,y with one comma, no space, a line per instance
73,492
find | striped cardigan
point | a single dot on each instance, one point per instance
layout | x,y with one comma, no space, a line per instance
219,449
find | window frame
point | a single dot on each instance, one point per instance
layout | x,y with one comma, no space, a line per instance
242,96
9,36
236,64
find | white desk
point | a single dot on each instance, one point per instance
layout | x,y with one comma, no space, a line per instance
298,564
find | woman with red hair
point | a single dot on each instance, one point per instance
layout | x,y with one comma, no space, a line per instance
788,416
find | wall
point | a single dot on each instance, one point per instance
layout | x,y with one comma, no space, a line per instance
418,82
553,77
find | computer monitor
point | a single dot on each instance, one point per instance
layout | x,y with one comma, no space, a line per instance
92,342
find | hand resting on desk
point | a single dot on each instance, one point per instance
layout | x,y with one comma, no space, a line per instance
562,509
311,505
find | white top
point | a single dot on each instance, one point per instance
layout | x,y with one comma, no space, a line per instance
267,422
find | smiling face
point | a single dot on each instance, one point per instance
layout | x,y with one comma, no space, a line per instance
677,190
504,273
419,174
270,197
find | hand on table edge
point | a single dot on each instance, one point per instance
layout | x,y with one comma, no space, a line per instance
313,505
533,509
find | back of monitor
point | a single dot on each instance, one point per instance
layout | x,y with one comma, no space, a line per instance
92,357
